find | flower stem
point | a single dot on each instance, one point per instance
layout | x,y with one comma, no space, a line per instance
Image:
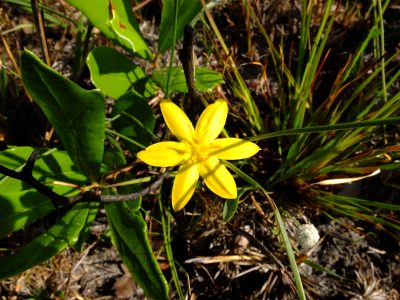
278,217
168,249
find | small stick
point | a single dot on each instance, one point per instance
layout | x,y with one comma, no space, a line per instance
25,175
28,168
186,56
39,24
133,196
11,56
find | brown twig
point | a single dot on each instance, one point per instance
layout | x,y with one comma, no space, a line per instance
133,196
39,24
14,63
141,5
25,175
11,56
186,55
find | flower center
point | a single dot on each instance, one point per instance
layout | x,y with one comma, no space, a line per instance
197,152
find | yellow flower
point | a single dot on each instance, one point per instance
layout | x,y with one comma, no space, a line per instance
199,151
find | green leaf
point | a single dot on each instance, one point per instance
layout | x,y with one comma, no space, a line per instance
122,27
114,74
129,233
205,79
85,233
64,233
187,11
77,115
128,33
114,159
20,204
230,207
136,120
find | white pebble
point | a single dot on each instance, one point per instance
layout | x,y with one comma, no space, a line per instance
307,236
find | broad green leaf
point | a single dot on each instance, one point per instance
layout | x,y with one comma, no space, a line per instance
122,27
77,115
19,209
129,233
132,188
205,79
64,233
20,204
187,11
127,33
136,120
114,74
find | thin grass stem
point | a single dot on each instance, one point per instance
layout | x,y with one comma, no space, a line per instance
171,62
281,225
382,50
249,104
168,249
304,29
323,128
113,132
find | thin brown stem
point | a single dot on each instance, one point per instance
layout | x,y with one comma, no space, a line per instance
133,196
39,24
25,175
186,55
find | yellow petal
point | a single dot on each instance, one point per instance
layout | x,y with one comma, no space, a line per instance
177,121
217,178
164,154
184,185
211,122
232,148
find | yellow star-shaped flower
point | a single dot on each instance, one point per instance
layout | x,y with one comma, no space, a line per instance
198,151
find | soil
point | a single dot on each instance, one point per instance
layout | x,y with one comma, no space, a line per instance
241,259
